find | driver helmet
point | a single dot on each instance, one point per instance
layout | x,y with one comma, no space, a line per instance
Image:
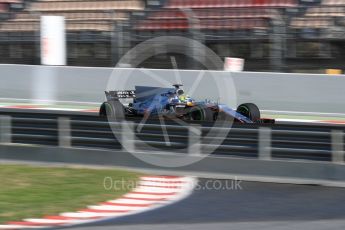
182,98
189,101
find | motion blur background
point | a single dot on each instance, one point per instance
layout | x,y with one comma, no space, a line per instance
64,52
271,35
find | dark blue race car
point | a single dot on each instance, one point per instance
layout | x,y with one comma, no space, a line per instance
173,103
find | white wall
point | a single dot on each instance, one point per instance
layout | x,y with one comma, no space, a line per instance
271,91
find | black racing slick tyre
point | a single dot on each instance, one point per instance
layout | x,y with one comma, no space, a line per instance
249,110
199,113
112,110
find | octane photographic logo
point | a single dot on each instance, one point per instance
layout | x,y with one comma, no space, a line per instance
217,86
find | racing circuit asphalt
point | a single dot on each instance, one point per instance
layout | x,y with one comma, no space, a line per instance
254,206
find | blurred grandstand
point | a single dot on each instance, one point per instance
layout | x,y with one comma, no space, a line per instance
278,35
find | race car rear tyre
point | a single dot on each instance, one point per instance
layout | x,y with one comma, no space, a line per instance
249,110
199,113
113,110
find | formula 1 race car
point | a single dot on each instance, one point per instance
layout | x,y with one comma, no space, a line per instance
173,103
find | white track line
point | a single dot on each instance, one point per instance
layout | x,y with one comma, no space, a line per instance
113,208
104,214
158,190
47,221
163,179
160,184
19,227
297,120
77,215
131,201
147,196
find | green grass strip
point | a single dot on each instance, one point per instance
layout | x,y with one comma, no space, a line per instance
32,192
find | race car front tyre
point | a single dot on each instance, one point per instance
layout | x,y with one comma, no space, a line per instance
199,113
249,110
113,110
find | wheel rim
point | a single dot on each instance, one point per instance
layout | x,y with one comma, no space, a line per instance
197,115
244,111
108,110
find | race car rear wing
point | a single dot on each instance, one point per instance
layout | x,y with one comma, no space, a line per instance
115,95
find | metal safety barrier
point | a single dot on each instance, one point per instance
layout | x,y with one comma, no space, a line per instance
277,153
265,142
